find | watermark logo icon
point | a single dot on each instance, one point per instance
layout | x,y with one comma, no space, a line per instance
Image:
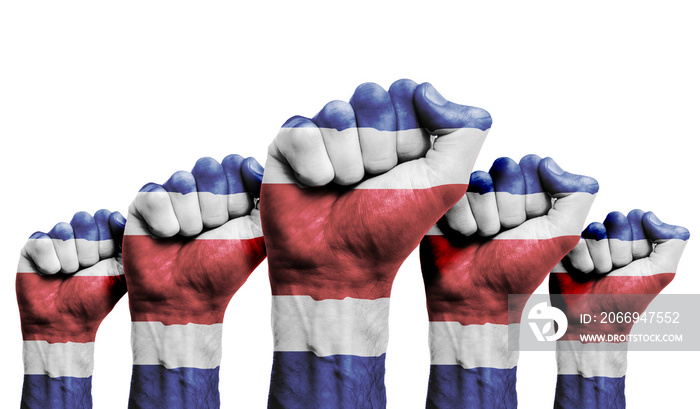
543,312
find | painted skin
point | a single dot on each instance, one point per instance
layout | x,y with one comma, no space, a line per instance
503,237
334,248
68,280
189,246
625,261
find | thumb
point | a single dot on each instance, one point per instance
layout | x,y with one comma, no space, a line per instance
461,131
669,243
573,194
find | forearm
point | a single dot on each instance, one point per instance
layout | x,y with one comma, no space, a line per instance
328,353
590,375
57,375
175,366
471,366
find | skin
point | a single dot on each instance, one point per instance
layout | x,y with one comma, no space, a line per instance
344,239
68,280
190,244
624,262
502,238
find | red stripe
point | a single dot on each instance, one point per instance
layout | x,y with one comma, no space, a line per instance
57,308
334,242
181,281
626,294
469,281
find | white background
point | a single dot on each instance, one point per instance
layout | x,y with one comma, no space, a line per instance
98,98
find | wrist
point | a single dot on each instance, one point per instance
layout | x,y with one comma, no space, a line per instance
176,346
68,359
473,346
590,360
336,345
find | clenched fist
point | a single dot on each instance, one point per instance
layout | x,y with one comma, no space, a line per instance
503,237
617,266
68,280
346,196
190,243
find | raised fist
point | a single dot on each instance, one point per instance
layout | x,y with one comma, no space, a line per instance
68,280
346,196
617,266
503,237
190,243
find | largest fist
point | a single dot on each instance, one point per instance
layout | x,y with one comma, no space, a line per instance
348,194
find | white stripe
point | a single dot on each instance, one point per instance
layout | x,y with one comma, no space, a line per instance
104,268
176,346
591,359
60,359
663,259
277,172
239,228
566,218
330,327
472,346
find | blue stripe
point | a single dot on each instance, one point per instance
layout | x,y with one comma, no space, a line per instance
555,180
657,230
401,93
299,122
153,386
436,112
302,380
336,115
574,391
618,227
480,182
210,177
181,182
635,220
373,108
506,176
452,386
252,174
61,231
529,165
595,231
42,391
84,227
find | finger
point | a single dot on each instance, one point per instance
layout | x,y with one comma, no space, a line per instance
412,140
619,234
64,243
460,217
669,242
240,200
117,226
300,144
182,189
580,257
86,239
153,206
252,174
482,201
106,244
509,187
337,124
641,247
597,241
376,126
461,132
574,196
40,250
537,203
211,190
